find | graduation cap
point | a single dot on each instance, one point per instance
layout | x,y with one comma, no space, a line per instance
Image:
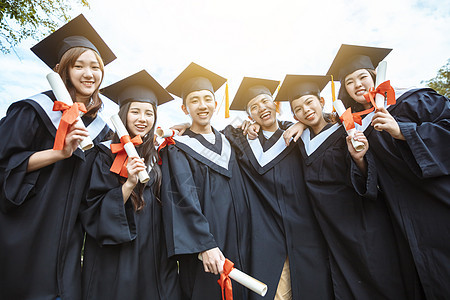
295,86
351,58
250,88
195,78
76,33
141,87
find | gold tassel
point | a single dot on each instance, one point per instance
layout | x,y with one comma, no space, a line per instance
227,102
333,92
278,103
278,106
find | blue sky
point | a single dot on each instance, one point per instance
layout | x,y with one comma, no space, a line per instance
238,38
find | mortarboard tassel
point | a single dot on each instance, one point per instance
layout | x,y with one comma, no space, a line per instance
227,102
277,103
333,92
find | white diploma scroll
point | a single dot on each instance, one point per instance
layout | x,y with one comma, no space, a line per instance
61,94
246,280
381,77
340,109
129,147
164,132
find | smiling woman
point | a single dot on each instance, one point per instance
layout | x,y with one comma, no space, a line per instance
41,185
140,118
359,83
125,252
86,75
410,146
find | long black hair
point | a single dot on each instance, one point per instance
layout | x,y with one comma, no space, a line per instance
148,152
345,97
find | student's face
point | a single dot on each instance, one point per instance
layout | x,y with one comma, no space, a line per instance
200,105
140,118
263,111
308,110
85,75
357,84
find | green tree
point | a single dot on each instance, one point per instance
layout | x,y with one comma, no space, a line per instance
441,83
20,19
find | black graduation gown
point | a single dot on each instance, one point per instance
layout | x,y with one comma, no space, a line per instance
40,234
414,177
283,224
204,206
125,256
357,226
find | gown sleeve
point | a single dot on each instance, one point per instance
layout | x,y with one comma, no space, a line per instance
284,125
365,186
186,227
18,131
424,120
104,215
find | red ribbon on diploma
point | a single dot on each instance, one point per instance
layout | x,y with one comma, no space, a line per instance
119,165
225,280
167,141
69,115
384,89
349,119
357,115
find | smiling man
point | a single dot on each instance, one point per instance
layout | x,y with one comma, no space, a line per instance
288,252
203,198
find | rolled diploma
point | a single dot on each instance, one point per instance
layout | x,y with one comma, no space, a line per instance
340,109
246,280
381,77
61,94
163,132
249,282
129,147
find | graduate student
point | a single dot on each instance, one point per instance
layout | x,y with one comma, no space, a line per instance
203,196
342,186
411,154
289,253
125,254
41,188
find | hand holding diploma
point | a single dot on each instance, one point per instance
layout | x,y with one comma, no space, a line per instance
125,148
134,166
383,120
75,134
71,112
347,119
213,260
228,271
382,91
358,156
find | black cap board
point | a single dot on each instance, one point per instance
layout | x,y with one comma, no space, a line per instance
250,88
351,58
195,78
295,86
76,33
141,87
